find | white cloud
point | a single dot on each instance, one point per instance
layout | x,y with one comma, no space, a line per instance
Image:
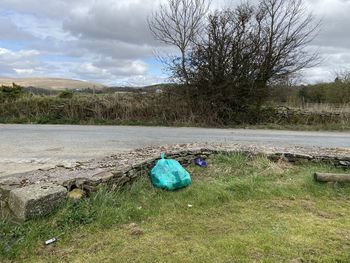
124,21
23,62
24,71
101,40
109,40
8,56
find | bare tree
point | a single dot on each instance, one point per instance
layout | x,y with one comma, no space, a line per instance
178,23
249,47
287,30
342,76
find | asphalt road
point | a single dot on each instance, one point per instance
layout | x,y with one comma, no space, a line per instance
28,147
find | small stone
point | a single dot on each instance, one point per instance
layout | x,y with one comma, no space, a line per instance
344,163
76,194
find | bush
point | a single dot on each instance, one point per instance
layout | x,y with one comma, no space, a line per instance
172,107
8,93
336,92
67,94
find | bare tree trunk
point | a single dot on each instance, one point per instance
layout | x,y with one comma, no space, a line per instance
183,67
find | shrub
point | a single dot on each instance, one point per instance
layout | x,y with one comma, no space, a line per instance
336,92
8,93
66,94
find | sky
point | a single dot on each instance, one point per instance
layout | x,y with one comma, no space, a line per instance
108,41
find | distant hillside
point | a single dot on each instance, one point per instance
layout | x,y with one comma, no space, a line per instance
51,83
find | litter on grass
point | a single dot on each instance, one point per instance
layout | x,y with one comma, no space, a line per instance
50,241
200,162
170,175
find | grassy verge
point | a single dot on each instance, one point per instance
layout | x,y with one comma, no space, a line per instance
298,127
244,210
267,126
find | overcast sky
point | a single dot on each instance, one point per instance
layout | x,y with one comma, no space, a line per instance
108,41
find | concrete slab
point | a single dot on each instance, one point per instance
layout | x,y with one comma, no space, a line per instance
36,200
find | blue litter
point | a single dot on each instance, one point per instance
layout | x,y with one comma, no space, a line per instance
170,175
200,162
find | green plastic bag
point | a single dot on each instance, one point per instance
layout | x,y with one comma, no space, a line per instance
170,175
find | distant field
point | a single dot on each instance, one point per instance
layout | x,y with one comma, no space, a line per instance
51,83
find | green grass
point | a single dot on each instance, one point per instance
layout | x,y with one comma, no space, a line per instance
244,210
298,127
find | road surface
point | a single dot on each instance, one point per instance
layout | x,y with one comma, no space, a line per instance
28,147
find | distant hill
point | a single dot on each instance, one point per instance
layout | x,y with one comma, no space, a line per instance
51,83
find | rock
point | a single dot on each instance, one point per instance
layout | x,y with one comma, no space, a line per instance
76,194
5,191
5,212
36,200
344,163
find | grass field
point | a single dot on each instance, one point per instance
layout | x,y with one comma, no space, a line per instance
243,210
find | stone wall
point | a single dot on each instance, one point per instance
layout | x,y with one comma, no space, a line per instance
116,177
119,178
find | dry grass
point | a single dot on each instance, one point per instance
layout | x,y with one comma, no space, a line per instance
324,108
159,109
